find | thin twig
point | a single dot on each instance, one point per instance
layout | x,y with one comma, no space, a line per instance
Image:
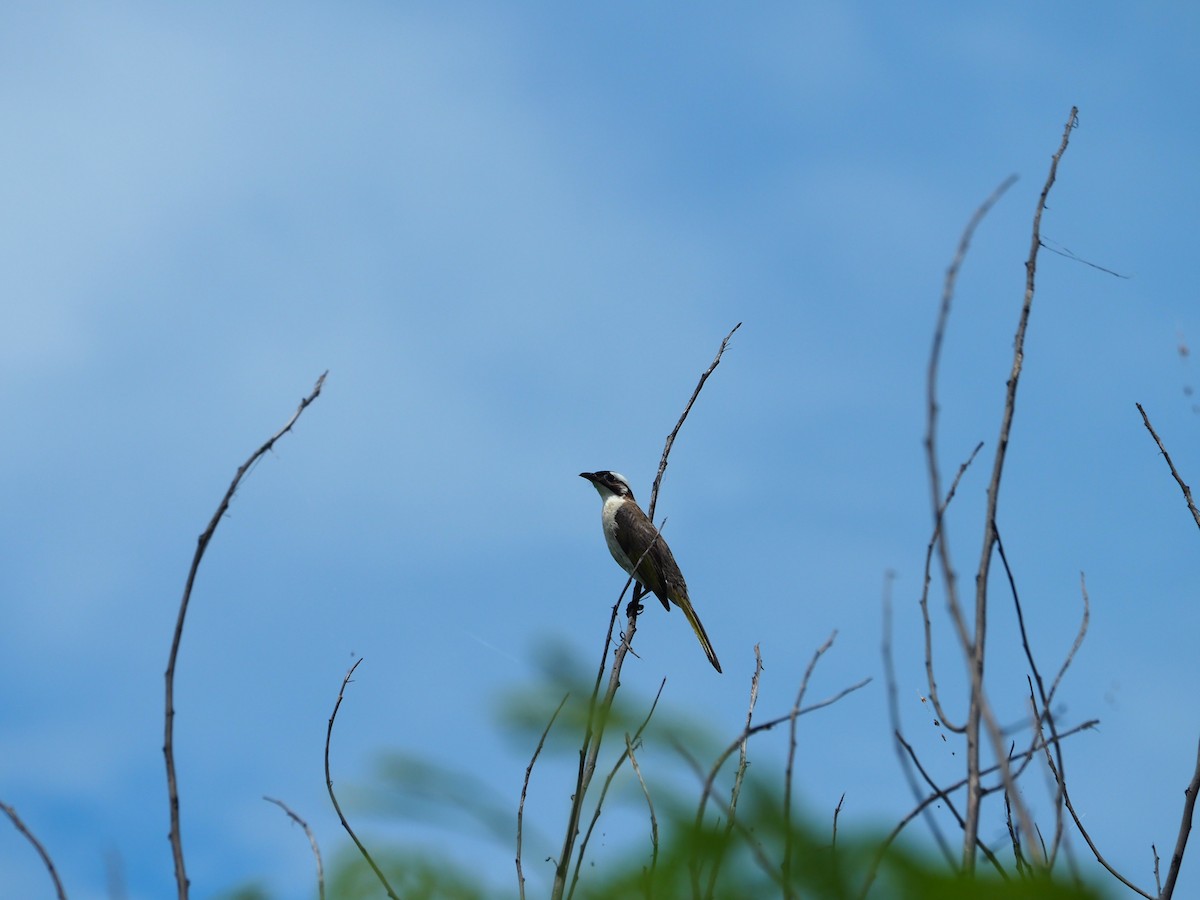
1066,794
738,779
752,730
312,840
769,868
1065,251
1189,803
949,577
889,670
587,836
837,811
1041,688
1187,491
37,845
181,879
945,797
525,788
882,849
977,711
936,540
329,786
637,770
662,463
789,768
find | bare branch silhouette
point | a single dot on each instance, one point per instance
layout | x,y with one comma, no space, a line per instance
739,778
978,711
181,879
751,730
1187,491
312,840
935,477
662,463
1066,796
1185,828
881,850
333,798
37,845
637,735
1193,788
525,789
637,770
789,768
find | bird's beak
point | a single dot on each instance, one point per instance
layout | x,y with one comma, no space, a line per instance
590,476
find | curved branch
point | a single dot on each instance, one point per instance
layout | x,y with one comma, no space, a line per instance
312,840
181,879
37,845
333,798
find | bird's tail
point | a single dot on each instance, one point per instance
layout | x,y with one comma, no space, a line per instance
686,605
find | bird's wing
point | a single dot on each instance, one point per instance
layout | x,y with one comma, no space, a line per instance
635,532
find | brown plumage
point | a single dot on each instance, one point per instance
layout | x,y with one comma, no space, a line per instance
631,537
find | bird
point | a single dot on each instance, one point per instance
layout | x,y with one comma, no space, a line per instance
633,542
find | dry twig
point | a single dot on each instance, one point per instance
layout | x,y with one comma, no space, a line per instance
312,840
789,768
1193,788
333,798
181,879
931,456
637,736
37,845
525,789
979,712
739,778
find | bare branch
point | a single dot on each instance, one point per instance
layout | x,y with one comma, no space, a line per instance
952,602
37,845
333,798
935,477
889,669
637,770
739,775
791,760
525,789
312,840
1066,795
1185,828
662,463
181,879
769,868
975,651
881,851
1187,491
637,735
945,798
750,731
837,811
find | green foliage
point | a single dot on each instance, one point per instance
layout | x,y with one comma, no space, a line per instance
415,875
755,858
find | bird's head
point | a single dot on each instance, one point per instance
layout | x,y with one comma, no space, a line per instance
609,484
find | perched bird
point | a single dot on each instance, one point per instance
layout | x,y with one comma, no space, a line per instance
631,537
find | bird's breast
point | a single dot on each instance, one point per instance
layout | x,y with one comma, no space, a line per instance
608,517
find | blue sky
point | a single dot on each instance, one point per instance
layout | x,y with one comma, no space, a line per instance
515,236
